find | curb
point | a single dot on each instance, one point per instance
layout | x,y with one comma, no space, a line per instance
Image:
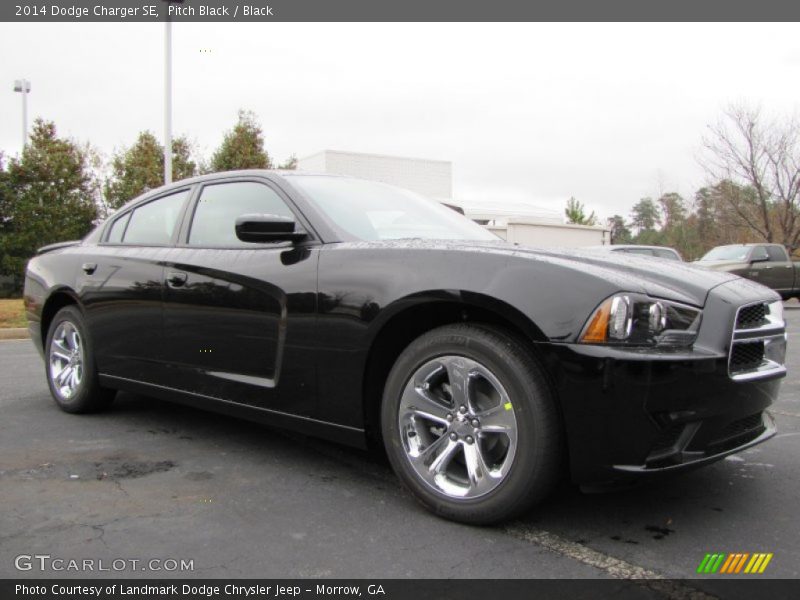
14,333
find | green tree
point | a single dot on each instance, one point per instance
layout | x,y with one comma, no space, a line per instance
704,211
242,147
5,197
576,213
645,215
673,207
620,234
650,237
140,168
53,196
290,164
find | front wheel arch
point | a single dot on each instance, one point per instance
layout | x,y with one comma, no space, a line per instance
537,428
418,315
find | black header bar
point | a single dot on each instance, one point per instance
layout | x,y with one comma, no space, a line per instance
120,11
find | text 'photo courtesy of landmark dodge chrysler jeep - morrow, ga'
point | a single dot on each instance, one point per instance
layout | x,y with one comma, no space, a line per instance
365,314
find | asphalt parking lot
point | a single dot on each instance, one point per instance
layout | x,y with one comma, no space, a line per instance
154,480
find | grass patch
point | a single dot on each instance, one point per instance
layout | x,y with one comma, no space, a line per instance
12,313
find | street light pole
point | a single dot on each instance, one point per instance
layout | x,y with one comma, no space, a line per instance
168,93
168,100
23,86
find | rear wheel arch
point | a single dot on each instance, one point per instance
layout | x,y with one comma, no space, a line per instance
57,300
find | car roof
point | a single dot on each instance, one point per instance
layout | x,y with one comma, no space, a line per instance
175,185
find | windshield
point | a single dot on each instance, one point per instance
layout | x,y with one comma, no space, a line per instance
727,253
371,211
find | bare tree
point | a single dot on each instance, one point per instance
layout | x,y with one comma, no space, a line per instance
762,159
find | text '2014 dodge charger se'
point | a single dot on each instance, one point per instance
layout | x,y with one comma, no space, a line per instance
360,312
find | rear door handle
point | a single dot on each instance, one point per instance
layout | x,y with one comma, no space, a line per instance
89,268
176,278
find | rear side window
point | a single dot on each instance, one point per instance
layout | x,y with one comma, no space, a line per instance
642,251
118,229
222,203
153,223
776,254
666,254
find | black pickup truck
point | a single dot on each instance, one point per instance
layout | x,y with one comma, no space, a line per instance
768,264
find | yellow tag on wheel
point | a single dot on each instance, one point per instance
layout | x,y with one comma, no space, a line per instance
508,406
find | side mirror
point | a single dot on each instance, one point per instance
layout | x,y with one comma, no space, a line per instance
759,259
267,228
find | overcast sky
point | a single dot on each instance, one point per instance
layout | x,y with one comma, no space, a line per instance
527,112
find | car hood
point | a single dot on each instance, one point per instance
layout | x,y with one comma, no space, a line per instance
659,278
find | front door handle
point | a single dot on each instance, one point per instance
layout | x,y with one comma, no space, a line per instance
176,278
89,268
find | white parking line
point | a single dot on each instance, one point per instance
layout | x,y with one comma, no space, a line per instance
615,567
784,413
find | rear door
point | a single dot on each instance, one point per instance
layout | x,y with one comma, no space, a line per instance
123,287
239,317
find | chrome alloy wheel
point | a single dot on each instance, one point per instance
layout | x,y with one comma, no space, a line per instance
66,359
458,427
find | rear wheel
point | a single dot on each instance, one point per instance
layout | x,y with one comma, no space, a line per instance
70,366
470,424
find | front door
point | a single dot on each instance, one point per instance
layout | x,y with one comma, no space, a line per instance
238,316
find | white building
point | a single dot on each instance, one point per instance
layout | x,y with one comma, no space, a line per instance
516,222
545,234
431,178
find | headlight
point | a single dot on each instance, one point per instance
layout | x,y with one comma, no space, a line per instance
637,320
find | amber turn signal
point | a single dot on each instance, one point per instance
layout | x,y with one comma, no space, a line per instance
597,330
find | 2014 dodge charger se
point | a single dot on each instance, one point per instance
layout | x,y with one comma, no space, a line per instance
360,312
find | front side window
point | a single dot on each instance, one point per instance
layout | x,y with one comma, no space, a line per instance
369,211
153,224
759,253
221,204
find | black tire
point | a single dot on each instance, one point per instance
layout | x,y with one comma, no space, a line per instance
88,395
534,470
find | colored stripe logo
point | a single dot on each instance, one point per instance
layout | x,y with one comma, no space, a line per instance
738,562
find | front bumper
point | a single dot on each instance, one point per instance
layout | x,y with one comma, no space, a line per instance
683,459
631,412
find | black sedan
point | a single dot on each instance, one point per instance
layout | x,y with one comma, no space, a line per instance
366,314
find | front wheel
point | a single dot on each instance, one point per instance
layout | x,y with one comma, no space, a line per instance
470,424
70,366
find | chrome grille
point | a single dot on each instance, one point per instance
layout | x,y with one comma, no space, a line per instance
752,316
758,343
747,355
